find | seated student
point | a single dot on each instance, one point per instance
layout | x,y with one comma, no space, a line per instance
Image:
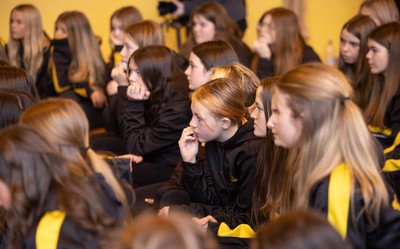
210,21
149,231
49,200
202,59
381,11
223,178
269,199
120,19
28,46
382,112
12,104
280,45
77,66
300,230
135,36
63,123
337,172
154,110
352,61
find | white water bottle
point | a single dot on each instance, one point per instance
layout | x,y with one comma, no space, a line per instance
330,58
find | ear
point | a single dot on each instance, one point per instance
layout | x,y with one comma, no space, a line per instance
225,123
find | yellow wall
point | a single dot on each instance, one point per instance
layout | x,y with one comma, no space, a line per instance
324,19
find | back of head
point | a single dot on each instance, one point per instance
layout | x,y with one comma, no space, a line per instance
381,11
241,75
16,78
12,104
61,121
215,53
154,232
126,16
29,166
145,33
222,98
286,24
299,230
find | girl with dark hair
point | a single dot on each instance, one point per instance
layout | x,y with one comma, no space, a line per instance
49,200
13,103
206,56
353,48
155,109
382,113
210,21
16,78
280,45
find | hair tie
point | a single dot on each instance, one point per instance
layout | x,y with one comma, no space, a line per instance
343,99
84,149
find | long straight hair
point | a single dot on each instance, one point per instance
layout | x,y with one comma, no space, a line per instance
272,181
86,60
63,123
320,96
289,45
35,171
385,85
33,45
158,65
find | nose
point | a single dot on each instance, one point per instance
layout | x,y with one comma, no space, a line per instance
192,122
270,123
187,71
254,113
369,55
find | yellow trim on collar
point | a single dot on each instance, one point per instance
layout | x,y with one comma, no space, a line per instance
375,129
48,230
339,198
243,231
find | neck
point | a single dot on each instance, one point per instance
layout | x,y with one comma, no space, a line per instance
228,133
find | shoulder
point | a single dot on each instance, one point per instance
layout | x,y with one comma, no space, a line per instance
309,54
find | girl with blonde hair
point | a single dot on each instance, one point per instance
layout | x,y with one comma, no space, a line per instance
381,11
77,68
63,123
280,45
28,45
333,155
241,75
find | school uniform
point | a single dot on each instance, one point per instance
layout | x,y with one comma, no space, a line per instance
332,197
265,67
389,138
223,181
78,91
157,143
56,229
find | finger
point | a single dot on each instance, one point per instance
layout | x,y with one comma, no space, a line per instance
149,201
